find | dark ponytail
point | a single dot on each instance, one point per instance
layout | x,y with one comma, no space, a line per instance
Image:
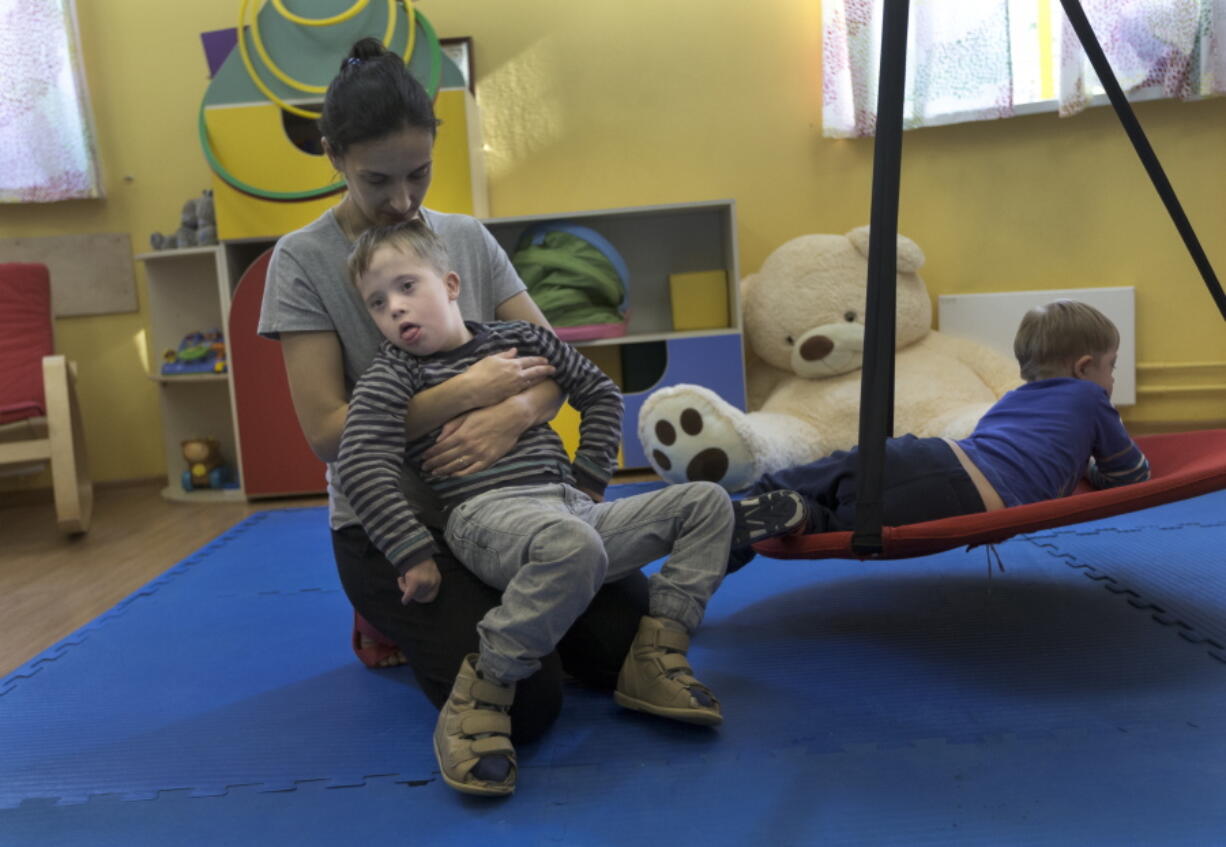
373,95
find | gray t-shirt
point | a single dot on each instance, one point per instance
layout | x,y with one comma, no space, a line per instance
308,290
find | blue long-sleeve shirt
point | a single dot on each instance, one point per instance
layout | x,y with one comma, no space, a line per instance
1036,443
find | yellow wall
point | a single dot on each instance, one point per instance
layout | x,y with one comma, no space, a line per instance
600,104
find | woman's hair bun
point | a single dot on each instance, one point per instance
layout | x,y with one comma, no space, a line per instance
363,50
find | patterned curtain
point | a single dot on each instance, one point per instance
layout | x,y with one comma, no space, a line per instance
1167,48
976,61
46,141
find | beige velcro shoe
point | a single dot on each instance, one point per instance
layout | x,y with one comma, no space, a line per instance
472,736
656,677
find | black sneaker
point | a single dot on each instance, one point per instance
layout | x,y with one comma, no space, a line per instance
768,515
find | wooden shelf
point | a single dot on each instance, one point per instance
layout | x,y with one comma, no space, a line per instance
178,253
167,379
646,337
204,495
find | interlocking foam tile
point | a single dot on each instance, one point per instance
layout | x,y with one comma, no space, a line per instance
1174,574
1113,790
899,702
1206,510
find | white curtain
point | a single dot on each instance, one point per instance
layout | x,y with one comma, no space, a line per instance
1156,48
47,150
988,59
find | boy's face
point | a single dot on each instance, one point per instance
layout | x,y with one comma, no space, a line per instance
1099,370
413,305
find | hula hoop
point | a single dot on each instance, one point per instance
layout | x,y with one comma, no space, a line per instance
237,184
335,19
258,41
436,56
411,14
245,55
435,74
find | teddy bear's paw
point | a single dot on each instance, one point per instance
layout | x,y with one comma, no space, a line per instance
689,434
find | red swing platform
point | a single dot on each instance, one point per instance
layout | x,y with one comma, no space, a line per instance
1182,465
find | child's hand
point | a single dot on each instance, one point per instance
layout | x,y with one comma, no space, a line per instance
503,375
420,583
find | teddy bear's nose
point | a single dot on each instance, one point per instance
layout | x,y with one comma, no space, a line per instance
816,348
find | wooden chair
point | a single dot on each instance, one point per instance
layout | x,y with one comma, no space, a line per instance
40,419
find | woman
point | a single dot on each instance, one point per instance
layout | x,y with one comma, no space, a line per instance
378,130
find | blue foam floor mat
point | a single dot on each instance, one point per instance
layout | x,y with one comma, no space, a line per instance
906,702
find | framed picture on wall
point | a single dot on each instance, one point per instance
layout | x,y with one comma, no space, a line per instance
460,51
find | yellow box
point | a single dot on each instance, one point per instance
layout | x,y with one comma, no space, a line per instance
566,422
699,299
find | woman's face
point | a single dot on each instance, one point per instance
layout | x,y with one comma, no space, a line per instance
389,176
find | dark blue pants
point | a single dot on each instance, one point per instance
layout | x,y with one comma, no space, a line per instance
923,482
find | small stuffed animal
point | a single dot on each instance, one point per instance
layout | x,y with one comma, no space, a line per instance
206,220
203,456
197,226
804,332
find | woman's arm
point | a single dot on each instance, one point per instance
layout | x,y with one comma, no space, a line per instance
474,441
542,401
520,386
314,364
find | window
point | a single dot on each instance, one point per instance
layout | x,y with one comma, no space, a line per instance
46,138
998,58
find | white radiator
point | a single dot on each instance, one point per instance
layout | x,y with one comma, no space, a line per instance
992,320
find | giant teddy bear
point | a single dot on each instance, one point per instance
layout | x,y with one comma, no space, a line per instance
804,330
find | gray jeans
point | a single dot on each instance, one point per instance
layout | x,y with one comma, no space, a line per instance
549,549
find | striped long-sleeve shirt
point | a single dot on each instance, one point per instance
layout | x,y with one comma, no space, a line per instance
374,447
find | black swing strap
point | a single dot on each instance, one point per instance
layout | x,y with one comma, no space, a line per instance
877,374
877,377
1123,110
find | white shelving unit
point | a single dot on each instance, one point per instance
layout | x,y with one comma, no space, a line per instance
189,291
656,241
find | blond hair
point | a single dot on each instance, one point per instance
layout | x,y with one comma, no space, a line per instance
413,238
1054,336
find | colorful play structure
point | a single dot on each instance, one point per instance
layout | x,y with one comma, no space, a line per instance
256,123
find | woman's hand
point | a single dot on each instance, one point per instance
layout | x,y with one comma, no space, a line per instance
475,440
503,375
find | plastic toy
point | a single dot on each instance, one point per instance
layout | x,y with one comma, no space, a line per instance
205,467
198,353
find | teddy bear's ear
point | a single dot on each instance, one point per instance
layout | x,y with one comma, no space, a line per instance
859,239
910,256
745,284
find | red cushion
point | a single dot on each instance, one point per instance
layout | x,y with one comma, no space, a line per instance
25,337
1182,465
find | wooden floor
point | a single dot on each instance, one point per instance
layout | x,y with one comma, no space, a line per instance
51,585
